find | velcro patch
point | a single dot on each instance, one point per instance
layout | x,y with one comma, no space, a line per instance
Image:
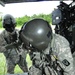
66,62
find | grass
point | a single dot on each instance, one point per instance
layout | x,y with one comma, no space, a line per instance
17,69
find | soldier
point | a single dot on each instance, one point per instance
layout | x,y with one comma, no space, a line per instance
50,53
13,55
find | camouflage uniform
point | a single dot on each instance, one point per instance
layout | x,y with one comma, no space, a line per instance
12,55
60,51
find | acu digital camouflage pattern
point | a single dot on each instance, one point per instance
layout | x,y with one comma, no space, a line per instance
12,55
61,49
62,52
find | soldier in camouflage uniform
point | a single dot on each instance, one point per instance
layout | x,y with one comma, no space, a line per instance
13,55
50,53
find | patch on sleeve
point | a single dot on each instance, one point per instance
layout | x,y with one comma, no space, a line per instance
66,62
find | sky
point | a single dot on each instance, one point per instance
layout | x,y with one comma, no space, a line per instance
29,8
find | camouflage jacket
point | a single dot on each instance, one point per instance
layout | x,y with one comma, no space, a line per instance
62,52
5,38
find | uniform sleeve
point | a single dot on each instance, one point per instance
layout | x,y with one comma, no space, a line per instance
2,43
64,56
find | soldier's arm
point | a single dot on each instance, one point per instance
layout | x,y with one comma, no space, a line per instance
2,43
65,56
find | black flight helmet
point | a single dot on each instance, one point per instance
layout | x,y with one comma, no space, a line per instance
36,33
9,22
56,16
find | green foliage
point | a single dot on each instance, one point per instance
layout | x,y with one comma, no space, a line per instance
1,24
2,64
43,16
22,20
